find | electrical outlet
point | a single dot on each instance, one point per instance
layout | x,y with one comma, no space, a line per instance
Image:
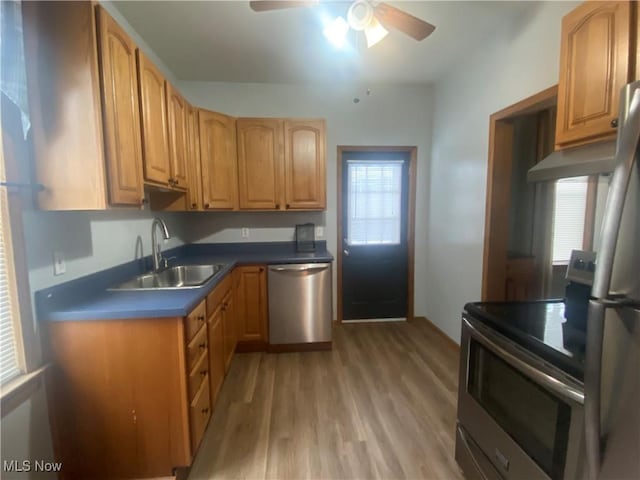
320,232
59,264
245,232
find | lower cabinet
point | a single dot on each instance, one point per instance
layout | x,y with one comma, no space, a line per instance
128,398
251,308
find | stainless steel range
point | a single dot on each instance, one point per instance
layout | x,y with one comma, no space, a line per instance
551,389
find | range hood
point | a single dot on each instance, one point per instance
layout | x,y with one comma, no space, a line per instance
575,162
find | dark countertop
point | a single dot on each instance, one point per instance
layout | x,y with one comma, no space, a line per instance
88,298
540,327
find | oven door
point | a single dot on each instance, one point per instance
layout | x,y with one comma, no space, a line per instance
525,415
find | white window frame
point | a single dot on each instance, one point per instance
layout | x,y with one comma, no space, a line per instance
586,240
16,390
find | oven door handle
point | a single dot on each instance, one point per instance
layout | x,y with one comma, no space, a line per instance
550,382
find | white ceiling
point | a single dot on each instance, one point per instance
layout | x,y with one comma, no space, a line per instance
226,41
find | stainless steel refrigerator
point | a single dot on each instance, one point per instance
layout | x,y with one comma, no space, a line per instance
612,368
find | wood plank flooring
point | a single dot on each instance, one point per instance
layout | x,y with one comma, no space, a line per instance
381,404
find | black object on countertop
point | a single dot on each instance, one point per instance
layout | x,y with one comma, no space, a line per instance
539,327
306,237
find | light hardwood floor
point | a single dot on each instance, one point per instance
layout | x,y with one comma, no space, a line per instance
381,404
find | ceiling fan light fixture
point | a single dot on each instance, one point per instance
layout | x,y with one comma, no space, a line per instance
375,32
336,32
360,15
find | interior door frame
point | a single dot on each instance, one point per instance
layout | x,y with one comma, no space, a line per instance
496,225
411,214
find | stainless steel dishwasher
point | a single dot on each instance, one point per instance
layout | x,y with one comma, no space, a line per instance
300,304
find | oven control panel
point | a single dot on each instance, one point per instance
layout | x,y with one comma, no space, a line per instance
582,267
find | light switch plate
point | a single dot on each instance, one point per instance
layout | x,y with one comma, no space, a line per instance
319,232
59,264
245,232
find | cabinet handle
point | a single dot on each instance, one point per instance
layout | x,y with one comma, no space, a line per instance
614,123
143,201
206,205
287,206
277,206
194,205
176,182
205,411
201,318
202,346
261,269
203,373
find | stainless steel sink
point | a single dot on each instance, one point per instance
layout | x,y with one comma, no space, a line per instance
172,278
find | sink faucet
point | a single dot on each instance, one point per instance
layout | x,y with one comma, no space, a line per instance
159,263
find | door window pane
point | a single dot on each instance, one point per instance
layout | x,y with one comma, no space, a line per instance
375,202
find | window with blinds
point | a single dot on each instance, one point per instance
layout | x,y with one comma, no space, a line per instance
10,364
569,218
374,205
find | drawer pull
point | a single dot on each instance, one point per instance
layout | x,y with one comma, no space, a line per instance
203,373
201,318
202,346
205,411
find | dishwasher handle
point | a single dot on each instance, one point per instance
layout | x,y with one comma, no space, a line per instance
300,269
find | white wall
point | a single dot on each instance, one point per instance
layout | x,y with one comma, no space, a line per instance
518,61
391,115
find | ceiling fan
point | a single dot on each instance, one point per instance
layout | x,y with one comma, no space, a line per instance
363,15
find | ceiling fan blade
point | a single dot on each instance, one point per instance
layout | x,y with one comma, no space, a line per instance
266,5
403,21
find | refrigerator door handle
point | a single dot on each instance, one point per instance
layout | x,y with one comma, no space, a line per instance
592,385
625,158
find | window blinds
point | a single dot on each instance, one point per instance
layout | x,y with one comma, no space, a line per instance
569,217
374,202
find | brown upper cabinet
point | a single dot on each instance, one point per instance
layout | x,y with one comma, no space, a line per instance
304,164
121,114
155,133
64,99
218,161
281,164
194,171
260,159
177,108
597,56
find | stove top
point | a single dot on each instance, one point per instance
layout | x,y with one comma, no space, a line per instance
540,327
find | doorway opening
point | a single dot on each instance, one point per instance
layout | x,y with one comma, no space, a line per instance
376,216
530,228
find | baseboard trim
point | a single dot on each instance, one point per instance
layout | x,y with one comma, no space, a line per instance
299,347
452,344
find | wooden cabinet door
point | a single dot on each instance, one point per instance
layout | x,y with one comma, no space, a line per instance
178,142
63,84
594,66
216,353
153,108
121,114
304,164
194,172
218,160
260,158
229,328
251,295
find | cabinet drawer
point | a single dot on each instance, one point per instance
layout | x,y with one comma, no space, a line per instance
195,320
215,297
199,414
196,347
198,373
